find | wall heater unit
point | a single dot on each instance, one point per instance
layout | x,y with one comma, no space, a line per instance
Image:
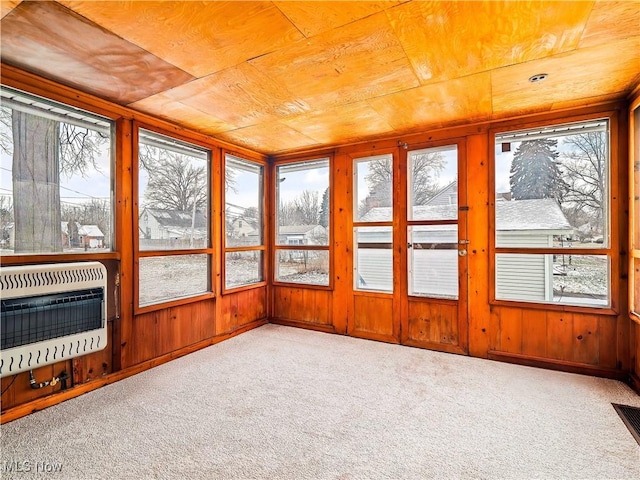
51,313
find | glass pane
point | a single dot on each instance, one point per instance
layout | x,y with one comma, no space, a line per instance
243,268
552,187
56,197
303,266
302,191
433,183
244,197
433,261
166,278
173,194
563,278
373,258
373,189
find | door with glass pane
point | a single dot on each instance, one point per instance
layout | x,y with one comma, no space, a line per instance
434,302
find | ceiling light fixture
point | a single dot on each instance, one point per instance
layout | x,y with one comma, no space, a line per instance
538,77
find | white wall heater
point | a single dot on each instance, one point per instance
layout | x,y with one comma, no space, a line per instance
51,313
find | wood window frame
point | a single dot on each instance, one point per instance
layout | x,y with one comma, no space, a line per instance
273,239
210,251
612,252
223,225
634,208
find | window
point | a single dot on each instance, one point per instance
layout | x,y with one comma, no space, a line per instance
174,247
243,222
302,219
432,213
373,225
552,233
56,183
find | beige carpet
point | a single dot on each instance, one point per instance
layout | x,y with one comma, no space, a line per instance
285,403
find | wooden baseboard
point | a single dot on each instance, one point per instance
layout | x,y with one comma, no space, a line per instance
560,365
59,397
436,347
308,326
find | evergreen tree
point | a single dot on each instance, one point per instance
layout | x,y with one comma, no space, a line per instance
324,209
535,172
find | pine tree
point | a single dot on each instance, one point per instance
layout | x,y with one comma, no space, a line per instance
324,209
535,172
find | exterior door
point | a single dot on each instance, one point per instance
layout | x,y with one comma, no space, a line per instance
434,291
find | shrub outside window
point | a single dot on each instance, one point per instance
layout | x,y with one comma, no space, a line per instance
552,233
303,223
174,246
56,183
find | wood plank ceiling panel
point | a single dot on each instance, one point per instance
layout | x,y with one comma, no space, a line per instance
50,40
611,21
7,5
459,100
446,40
240,96
199,37
347,123
271,137
166,106
344,65
588,72
312,18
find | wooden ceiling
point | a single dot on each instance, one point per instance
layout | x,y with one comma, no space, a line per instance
285,76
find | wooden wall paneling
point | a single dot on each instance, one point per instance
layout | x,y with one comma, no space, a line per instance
534,333
303,305
483,326
96,364
560,335
609,340
342,206
509,321
432,325
241,308
16,389
373,317
585,338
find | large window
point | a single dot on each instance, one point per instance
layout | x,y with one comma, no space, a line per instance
174,245
56,178
243,222
552,233
302,222
373,223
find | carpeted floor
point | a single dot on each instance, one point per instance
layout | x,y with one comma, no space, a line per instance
285,403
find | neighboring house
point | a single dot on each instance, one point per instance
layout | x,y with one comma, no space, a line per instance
91,236
159,226
8,236
302,235
433,260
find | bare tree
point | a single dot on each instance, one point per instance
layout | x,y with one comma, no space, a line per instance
425,170
585,175
176,184
307,206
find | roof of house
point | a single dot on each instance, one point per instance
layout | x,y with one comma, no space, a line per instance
90,231
296,229
537,214
177,218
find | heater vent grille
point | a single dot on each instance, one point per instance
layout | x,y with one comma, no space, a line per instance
51,313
